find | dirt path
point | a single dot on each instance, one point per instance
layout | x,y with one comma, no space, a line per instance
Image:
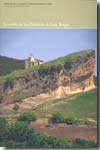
66,131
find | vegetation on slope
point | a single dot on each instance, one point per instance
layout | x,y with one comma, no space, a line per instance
8,65
57,117
21,135
69,58
27,116
81,105
21,70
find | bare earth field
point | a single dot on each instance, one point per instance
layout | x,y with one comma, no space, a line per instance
67,132
81,106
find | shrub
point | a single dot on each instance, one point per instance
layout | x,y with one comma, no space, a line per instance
45,141
67,65
79,142
69,120
20,135
61,143
42,140
3,129
57,142
57,117
8,83
82,142
16,107
86,122
20,132
92,144
27,116
19,95
3,123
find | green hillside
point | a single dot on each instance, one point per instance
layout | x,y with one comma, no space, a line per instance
81,105
7,65
69,58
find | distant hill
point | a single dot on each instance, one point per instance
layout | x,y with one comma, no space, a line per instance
7,65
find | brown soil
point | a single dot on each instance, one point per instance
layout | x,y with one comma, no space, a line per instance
66,131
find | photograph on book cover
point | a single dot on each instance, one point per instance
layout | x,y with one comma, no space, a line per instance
48,74
48,88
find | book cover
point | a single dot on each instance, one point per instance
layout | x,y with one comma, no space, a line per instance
48,74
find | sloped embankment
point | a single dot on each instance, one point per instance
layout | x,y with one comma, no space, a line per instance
66,75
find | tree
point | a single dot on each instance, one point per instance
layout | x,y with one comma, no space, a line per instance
21,133
27,116
57,117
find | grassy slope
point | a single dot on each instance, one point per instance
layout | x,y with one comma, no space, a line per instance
68,58
7,65
81,105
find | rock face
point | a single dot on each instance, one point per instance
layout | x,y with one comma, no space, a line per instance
66,75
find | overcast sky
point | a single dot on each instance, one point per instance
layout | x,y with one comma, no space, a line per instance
45,44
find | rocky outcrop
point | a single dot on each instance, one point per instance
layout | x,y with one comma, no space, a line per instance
66,75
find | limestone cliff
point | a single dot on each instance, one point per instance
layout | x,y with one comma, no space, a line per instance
66,75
